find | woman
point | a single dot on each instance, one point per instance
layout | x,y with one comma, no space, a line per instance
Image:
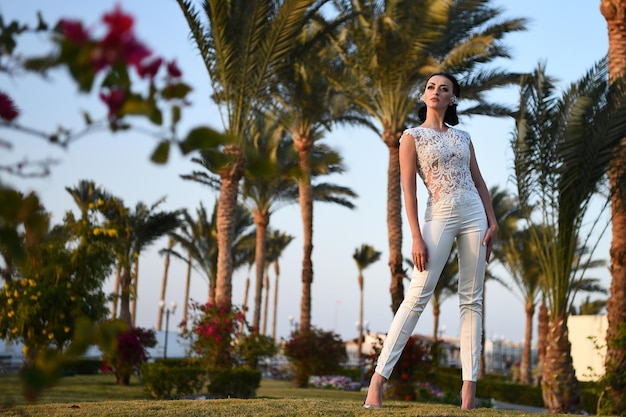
458,208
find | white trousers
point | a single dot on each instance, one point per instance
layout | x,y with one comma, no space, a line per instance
468,225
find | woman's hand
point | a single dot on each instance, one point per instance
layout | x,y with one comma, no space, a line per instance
419,253
489,239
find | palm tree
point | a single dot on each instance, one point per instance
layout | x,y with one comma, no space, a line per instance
309,104
615,361
137,229
364,257
264,194
198,237
166,267
561,159
243,45
391,48
277,242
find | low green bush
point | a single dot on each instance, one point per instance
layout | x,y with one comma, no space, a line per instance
234,383
162,380
82,366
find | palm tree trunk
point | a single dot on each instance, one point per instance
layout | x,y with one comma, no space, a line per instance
125,286
187,285
275,312
166,268
261,220
244,306
394,217
525,366
116,291
227,204
542,337
135,293
359,352
559,385
267,302
436,312
303,145
615,361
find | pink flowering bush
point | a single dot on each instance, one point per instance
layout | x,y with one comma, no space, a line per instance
213,334
129,352
316,352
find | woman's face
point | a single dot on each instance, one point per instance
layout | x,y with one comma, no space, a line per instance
438,92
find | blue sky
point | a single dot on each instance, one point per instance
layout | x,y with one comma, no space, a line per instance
569,37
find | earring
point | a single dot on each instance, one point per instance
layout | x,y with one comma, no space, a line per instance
454,100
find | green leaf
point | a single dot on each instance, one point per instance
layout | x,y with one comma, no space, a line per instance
201,138
161,153
178,91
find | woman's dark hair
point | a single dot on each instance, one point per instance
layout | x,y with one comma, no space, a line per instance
450,117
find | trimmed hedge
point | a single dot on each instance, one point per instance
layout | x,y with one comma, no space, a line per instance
163,380
234,383
82,366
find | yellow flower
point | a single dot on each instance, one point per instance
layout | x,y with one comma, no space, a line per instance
16,294
66,329
72,298
25,350
33,297
6,285
96,231
112,233
68,285
100,202
14,330
44,331
92,205
32,283
50,336
10,301
11,313
23,282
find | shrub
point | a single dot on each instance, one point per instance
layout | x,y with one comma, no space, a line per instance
314,352
161,379
82,366
129,352
234,382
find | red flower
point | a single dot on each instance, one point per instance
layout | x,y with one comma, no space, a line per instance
114,100
119,43
8,111
173,70
404,376
149,69
74,31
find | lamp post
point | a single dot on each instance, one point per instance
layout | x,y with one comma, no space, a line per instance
168,311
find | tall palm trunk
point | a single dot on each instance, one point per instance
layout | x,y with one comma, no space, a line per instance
614,13
227,204
244,306
261,220
394,217
303,145
267,302
525,366
275,311
134,291
359,352
436,313
116,291
187,286
166,268
559,384
542,337
125,287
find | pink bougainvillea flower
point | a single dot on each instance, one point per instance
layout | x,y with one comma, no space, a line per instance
119,43
114,100
74,31
8,110
149,68
173,70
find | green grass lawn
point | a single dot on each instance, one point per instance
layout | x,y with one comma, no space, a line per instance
98,395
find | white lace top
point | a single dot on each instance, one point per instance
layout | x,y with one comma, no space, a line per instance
443,163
